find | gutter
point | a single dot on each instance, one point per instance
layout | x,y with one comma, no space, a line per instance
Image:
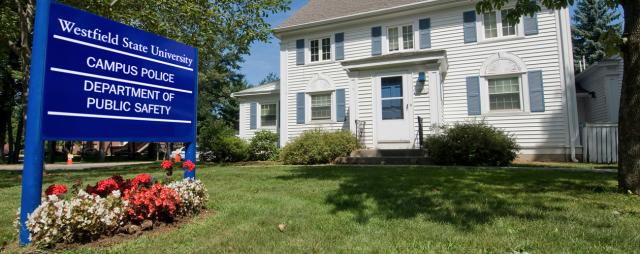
569,79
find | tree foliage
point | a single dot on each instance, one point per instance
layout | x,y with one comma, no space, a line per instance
222,31
271,77
594,28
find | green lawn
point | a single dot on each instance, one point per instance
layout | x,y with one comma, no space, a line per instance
329,209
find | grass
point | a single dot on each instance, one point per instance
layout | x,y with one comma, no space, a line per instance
391,209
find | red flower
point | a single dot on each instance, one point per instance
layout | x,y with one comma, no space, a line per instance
157,203
166,164
56,189
189,165
141,179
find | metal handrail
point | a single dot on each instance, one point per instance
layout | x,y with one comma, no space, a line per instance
360,127
420,132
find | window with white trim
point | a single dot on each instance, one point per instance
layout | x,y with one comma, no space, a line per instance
495,24
321,106
400,38
320,49
504,94
268,115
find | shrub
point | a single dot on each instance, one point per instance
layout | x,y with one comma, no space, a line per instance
264,146
472,144
317,146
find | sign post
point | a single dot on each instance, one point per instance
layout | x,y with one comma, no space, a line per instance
33,145
99,80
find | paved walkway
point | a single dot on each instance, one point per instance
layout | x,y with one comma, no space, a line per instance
77,166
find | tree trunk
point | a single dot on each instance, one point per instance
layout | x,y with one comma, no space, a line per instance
101,151
10,136
17,142
629,119
52,151
3,132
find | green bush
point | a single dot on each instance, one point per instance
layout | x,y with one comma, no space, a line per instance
264,146
234,149
472,144
217,142
318,147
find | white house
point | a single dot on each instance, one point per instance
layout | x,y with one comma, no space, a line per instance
598,90
384,63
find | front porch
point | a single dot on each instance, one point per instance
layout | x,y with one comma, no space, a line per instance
396,97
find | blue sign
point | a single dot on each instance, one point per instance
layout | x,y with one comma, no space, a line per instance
98,80
108,81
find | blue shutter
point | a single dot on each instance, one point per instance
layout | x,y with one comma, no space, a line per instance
340,105
253,116
425,33
339,46
300,52
469,26
473,96
376,41
300,108
530,24
536,91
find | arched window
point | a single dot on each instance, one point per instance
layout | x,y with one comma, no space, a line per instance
503,86
320,98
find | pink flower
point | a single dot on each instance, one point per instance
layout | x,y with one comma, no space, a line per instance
189,165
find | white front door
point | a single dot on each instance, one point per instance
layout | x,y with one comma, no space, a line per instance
394,115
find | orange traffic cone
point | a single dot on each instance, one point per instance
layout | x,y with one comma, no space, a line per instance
69,159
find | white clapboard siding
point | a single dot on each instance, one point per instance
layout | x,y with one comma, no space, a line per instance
244,128
547,129
600,142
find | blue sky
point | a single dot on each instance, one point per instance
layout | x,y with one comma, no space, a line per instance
265,57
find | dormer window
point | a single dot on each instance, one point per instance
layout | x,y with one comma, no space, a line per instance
496,25
320,49
398,41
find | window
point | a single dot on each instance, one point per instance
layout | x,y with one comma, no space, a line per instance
400,42
504,94
315,51
407,37
392,99
490,25
496,24
321,106
326,49
508,28
268,115
320,48
393,39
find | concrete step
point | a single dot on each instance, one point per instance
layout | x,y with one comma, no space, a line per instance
388,160
374,153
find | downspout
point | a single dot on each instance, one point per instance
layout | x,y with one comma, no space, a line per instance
567,70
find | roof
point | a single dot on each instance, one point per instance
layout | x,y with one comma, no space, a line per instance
612,61
319,10
268,88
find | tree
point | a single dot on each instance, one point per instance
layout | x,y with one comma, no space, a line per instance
271,77
593,20
221,30
629,117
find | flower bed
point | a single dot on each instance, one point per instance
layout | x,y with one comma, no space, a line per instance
113,205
